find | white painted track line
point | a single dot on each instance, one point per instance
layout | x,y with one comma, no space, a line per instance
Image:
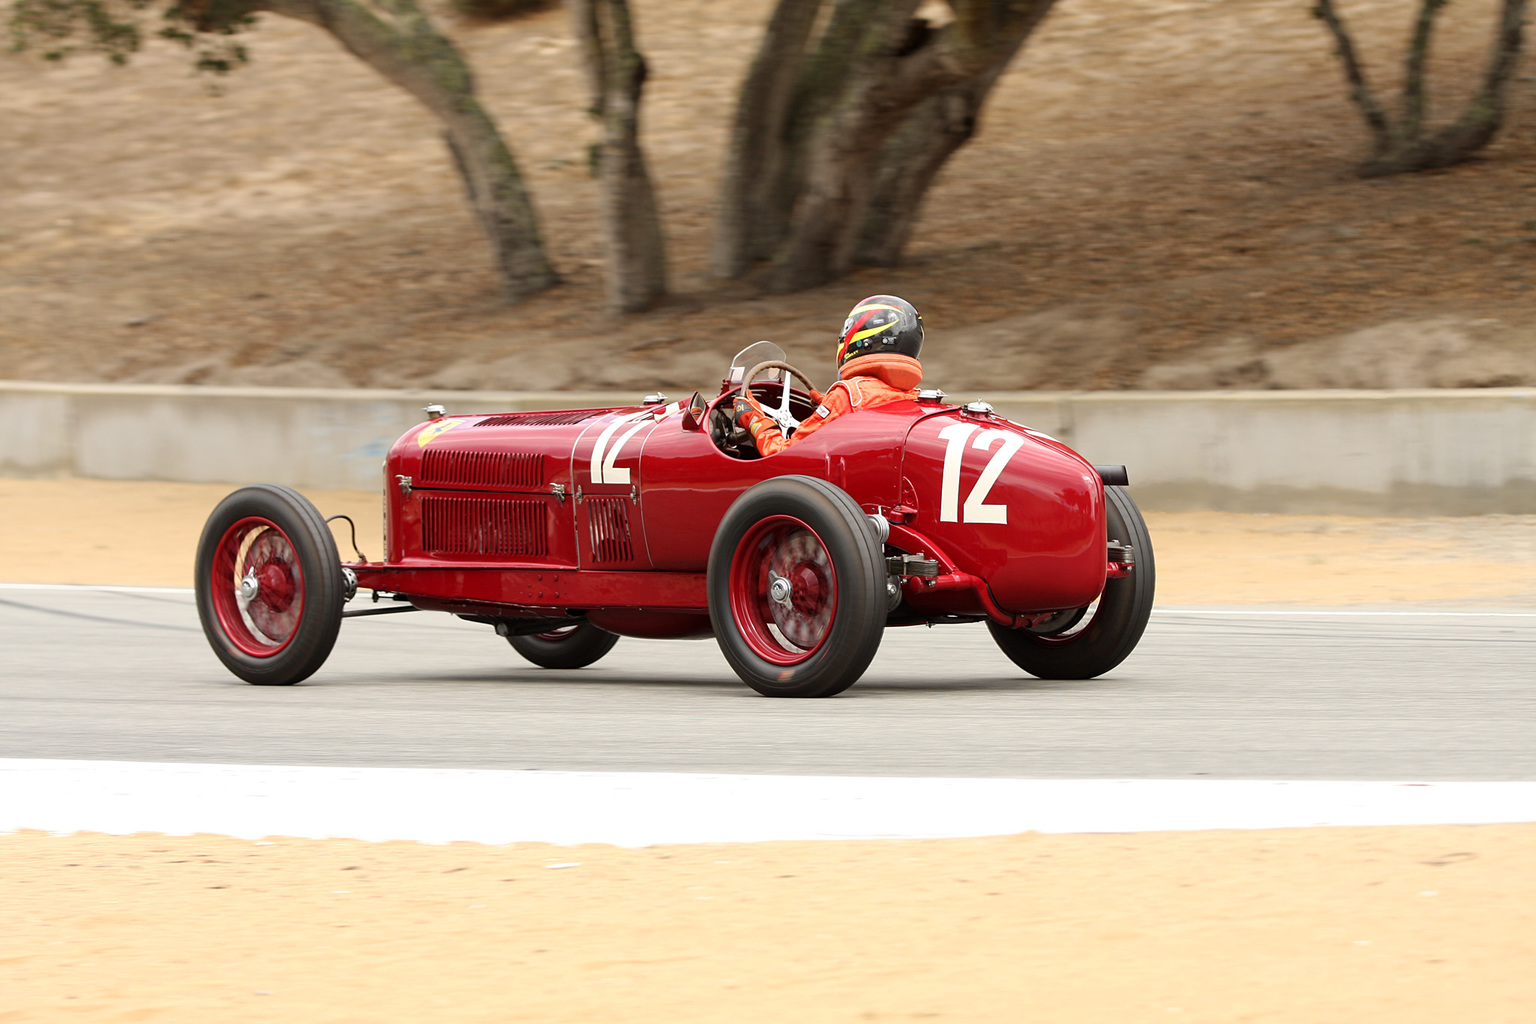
641,809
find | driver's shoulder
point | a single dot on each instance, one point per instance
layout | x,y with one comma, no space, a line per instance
865,392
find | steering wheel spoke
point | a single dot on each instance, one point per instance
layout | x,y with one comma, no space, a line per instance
781,415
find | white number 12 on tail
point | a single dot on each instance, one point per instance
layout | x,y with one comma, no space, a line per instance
976,508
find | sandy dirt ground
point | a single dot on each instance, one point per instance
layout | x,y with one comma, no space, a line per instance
1160,195
1394,925
1355,926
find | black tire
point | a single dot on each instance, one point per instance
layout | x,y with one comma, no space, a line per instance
284,629
1118,622
571,647
835,603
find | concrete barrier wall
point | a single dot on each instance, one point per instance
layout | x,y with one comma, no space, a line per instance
1449,452
297,436
1445,452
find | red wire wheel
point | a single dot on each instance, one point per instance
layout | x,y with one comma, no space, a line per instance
796,583
1090,641
783,591
269,586
257,587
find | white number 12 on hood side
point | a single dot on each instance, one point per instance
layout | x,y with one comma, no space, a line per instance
603,469
976,508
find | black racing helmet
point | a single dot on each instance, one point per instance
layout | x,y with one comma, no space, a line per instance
880,325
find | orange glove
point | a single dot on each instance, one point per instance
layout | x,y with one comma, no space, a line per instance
750,415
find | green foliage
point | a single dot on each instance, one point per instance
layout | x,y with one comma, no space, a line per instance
500,10
63,27
207,28
116,29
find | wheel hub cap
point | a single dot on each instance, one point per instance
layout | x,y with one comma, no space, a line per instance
799,589
779,589
276,584
257,571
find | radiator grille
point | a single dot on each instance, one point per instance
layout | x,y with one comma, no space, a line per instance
608,519
447,466
540,419
484,526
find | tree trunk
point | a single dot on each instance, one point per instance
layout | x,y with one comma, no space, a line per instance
407,51
637,259
1407,146
757,154
912,159
877,155
931,135
814,54
838,136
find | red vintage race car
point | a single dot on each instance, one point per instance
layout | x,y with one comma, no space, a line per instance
566,530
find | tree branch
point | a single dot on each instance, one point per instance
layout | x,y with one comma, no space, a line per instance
412,54
1506,51
1359,90
1414,80
588,36
1478,123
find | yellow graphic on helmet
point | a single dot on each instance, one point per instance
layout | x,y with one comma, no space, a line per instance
854,321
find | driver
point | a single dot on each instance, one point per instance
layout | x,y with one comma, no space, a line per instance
876,365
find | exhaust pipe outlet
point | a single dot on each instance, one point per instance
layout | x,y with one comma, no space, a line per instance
1113,476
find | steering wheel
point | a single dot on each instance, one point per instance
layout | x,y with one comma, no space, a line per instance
780,415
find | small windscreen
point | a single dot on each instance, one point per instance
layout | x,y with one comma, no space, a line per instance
757,352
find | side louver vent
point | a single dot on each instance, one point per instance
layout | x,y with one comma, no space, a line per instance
484,526
540,419
609,521
449,467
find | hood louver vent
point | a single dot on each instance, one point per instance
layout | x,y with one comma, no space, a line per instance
609,522
484,526
540,419
450,467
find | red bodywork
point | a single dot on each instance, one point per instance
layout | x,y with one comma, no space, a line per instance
610,512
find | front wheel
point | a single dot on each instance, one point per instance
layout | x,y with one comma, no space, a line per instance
569,647
1082,651
796,587
269,585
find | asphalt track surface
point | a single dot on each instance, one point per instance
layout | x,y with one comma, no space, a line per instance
126,675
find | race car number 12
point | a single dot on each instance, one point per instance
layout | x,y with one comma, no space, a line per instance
975,508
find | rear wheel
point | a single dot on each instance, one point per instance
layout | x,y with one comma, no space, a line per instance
269,585
1088,642
796,587
569,647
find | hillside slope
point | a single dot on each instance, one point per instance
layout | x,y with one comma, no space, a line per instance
1160,196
